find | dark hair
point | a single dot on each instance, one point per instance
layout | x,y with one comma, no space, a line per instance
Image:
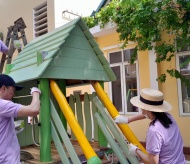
163,118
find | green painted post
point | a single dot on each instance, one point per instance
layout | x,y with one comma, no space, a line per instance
45,133
62,86
101,137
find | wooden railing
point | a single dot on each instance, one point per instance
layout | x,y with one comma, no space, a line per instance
84,109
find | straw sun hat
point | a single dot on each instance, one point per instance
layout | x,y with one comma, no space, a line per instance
151,100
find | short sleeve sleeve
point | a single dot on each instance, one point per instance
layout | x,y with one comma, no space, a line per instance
3,47
153,142
9,109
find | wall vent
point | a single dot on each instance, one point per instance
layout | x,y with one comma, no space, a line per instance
40,20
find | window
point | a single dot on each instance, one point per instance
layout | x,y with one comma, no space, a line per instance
183,89
126,86
40,20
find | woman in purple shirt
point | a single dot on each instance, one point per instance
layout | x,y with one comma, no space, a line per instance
164,144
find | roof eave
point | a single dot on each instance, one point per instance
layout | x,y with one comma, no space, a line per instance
109,28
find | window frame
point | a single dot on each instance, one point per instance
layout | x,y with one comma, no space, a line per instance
122,65
122,87
179,89
124,90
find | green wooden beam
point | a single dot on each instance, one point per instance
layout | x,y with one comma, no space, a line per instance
116,133
115,147
101,137
62,86
58,145
64,136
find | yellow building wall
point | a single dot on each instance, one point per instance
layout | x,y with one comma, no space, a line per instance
169,88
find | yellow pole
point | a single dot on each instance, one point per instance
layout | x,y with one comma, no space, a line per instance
113,112
73,123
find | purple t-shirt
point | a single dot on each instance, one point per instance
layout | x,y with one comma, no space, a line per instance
165,142
3,47
9,146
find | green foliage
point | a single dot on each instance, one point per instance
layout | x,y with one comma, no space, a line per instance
176,74
162,78
145,21
90,21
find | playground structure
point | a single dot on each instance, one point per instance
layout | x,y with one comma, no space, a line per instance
65,57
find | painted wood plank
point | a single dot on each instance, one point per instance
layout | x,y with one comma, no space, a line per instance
110,73
93,42
79,111
58,145
51,52
60,31
88,34
102,59
94,110
87,113
77,53
114,129
72,105
29,73
76,63
115,147
45,47
25,58
83,25
70,73
97,50
63,135
77,31
76,41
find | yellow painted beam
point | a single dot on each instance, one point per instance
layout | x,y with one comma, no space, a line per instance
114,112
73,123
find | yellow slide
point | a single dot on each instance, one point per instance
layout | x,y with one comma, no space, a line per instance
113,112
89,153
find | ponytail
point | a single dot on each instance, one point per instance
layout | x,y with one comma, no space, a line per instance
163,118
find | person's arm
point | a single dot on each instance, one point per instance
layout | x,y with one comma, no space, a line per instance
125,120
136,117
148,158
32,109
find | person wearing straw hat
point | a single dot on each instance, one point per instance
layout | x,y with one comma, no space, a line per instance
9,146
164,143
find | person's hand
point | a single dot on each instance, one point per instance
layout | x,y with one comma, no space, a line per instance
132,149
121,120
35,89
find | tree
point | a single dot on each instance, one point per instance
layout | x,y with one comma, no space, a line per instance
144,22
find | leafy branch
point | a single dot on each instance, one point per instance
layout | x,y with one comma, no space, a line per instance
145,22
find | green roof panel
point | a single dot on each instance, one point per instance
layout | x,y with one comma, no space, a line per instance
70,53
